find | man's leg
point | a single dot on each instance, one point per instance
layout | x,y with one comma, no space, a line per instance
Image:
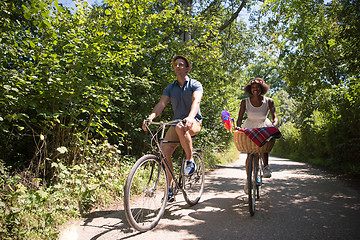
185,137
185,141
168,149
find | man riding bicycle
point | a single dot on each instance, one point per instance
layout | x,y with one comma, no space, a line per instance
185,95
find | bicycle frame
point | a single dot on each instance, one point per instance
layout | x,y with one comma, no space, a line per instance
159,143
259,171
258,159
146,188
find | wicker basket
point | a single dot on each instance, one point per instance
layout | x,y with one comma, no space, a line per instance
244,144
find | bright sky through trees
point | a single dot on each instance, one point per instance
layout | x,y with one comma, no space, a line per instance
71,3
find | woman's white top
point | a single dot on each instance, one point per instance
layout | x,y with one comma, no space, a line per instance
257,116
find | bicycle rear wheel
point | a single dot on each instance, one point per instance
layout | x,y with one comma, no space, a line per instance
252,188
193,186
145,193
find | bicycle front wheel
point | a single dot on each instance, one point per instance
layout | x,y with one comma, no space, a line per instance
145,193
252,188
193,185
259,178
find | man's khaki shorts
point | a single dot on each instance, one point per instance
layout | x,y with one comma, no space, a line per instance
171,134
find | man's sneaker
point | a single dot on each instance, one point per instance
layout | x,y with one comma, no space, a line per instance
246,187
267,172
171,196
190,167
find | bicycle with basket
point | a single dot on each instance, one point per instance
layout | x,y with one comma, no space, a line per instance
255,166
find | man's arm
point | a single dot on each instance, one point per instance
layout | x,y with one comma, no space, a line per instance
196,99
157,109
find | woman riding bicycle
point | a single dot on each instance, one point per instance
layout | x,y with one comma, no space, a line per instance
257,108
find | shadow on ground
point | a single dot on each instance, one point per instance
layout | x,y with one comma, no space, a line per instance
298,202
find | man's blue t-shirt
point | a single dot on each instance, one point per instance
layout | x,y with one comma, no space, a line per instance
181,97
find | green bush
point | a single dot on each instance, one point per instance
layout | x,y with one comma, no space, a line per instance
289,141
30,209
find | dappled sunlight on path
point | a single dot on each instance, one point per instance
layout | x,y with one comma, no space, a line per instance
298,202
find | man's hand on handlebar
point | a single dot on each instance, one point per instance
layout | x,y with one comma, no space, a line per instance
146,123
189,122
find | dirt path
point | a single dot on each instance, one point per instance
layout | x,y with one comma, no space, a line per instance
298,202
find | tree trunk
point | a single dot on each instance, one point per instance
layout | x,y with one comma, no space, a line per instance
186,33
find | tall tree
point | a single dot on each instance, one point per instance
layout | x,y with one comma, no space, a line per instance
317,42
72,79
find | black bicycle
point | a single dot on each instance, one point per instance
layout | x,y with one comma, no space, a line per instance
146,188
255,167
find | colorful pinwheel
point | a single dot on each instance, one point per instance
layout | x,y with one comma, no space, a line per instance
226,119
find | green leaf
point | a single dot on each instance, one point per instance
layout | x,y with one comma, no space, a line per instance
42,194
62,150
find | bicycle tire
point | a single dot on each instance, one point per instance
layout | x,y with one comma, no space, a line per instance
252,184
193,186
145,193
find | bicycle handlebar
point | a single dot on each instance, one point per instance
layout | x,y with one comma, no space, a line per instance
160,130
166,123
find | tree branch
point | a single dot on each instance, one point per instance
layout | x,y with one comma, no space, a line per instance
233,17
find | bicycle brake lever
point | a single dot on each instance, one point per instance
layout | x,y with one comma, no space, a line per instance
182,123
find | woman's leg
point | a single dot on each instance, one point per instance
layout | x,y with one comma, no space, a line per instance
247,164
265,158
267,171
